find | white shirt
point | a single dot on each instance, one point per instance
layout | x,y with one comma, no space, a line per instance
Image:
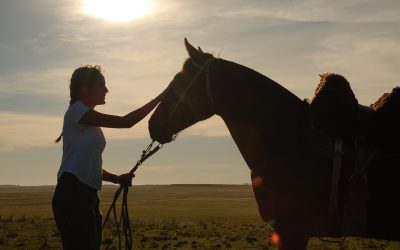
83,146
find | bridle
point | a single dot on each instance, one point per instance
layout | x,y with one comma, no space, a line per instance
206,69
201,68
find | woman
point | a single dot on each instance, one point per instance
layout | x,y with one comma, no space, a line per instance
75,201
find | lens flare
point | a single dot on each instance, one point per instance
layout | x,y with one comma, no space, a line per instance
257,181
275,238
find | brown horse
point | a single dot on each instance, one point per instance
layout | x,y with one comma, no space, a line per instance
291,185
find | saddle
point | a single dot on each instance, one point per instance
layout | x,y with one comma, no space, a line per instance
338,128
334,113
370,134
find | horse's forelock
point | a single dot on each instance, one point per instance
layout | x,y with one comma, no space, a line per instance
188,65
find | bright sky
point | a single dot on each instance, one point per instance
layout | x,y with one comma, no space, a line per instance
140,46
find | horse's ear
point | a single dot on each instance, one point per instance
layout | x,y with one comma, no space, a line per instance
192,51
201,51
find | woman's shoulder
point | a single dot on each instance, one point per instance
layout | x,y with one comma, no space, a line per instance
76,111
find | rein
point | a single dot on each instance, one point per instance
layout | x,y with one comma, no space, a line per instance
124,215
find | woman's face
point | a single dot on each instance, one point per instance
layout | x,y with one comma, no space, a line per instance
95,94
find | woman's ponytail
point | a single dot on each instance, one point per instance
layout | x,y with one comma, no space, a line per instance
58,139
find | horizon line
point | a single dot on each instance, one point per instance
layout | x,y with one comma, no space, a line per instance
115,185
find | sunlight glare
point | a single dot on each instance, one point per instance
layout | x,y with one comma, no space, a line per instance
117,10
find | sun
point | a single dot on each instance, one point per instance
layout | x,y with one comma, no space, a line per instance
117,10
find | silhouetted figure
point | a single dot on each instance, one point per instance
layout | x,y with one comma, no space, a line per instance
271,127
75,201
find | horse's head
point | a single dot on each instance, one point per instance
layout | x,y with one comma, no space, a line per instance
187,100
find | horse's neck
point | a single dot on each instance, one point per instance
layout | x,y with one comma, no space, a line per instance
257,104
250,143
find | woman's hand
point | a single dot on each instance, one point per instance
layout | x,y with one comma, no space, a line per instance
124,179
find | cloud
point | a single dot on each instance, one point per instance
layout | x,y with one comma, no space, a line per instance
291,41
213,127
21,131
46,81
33,91
319,11
24,131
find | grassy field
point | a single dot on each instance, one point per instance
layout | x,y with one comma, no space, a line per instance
163,217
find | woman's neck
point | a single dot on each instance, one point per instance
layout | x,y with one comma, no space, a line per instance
87,102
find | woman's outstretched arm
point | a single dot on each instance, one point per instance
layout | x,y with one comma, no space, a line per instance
94,118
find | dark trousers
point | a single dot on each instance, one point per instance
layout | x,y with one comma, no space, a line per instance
77,215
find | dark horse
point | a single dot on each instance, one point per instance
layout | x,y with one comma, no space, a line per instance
291,185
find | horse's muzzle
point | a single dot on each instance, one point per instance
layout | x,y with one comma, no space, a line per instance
158,132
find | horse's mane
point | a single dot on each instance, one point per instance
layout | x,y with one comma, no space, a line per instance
334,106
385,123
262,94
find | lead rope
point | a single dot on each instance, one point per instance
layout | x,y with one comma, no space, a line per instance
124,216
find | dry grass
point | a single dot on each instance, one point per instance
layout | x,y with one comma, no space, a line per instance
163,217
